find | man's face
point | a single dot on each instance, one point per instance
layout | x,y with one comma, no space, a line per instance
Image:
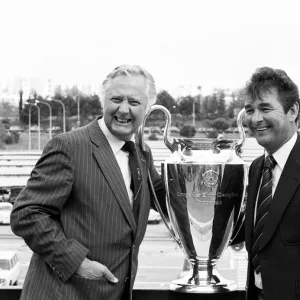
125,105
268,122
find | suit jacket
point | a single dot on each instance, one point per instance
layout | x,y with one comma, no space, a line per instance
75,205
279,251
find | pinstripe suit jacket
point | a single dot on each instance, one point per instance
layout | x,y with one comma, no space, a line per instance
75,205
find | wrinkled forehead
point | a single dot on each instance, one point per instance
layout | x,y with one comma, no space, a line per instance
262,95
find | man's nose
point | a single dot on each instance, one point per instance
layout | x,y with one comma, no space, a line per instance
124,107
257,117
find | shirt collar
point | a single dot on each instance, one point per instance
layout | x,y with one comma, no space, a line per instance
115,143
282,154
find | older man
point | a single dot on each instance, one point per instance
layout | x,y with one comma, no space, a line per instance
84,210
273,203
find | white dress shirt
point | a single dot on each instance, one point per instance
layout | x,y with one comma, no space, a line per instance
281,156
121,156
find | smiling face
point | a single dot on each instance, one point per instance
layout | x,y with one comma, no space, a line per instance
266,119
125,105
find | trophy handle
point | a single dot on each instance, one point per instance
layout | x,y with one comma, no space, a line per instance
241,141
157,205
171,145
238,149
241,217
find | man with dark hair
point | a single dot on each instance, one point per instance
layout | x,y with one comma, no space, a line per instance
85,208
272,225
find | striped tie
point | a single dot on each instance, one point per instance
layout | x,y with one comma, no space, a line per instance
263,203
136,179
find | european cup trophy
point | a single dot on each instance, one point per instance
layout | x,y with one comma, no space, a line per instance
205,182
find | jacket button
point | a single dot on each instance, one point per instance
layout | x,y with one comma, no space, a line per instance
126,279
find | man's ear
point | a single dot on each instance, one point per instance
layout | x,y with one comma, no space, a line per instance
293,112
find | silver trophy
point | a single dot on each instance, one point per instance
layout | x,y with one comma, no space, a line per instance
205,182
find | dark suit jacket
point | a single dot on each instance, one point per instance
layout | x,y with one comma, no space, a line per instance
76,205
279,251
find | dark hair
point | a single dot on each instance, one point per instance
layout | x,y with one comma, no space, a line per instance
264,79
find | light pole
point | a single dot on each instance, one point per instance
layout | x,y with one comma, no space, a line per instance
193,112
64,112
29,126
173,108
39,126
78,112
50,118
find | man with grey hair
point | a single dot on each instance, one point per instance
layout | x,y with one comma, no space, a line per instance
85,208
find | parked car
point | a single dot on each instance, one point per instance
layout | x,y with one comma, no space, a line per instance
146,130
5,211
174,129
9,268
4,194
14,192
34,128
155,129
154,217
55,129
15,128
238,247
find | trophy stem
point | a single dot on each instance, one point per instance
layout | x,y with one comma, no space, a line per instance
202,278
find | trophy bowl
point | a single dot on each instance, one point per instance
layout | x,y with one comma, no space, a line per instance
205,183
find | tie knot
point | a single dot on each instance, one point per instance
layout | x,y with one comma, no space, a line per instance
129,147
270,162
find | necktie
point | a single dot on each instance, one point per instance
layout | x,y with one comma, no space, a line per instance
263,203
136,178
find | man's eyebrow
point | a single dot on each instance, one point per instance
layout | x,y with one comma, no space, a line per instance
264,104
130,98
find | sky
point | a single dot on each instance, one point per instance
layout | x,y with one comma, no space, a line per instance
211,43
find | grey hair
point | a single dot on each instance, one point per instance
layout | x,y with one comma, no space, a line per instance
131,70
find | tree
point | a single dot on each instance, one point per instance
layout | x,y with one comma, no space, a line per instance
166,100
2,135
20,103
7,109
188,131
90,107
221,104
220,124
237,103
186,106
210,105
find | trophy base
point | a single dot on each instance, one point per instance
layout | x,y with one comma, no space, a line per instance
203,284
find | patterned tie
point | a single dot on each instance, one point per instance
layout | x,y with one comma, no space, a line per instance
136,178
263,203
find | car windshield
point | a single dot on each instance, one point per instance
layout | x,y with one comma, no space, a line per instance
4,264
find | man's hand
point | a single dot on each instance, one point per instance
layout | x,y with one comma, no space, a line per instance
93,270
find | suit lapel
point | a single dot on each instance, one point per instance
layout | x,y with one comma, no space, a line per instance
254,183
287,185
108,164
144,159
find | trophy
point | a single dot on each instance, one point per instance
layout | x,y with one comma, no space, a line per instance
205,182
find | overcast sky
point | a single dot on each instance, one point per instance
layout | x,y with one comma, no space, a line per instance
208,43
